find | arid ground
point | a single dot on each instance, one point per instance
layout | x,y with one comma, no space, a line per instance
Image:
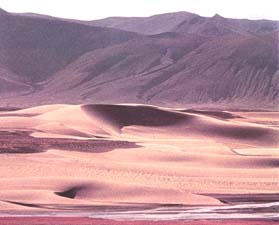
88,221
139,162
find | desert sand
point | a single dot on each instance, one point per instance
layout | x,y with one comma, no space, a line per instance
87,221
76,158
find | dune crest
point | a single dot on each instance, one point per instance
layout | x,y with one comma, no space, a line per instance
185,123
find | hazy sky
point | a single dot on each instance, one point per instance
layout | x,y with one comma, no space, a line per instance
95,9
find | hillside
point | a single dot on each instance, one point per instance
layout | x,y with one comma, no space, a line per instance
189,61
184,22
34,48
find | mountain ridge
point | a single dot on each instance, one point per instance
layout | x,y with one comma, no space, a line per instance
197,61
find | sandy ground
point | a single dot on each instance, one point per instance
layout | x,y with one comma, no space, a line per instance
87,221
81,157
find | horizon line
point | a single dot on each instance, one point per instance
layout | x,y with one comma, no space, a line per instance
152,15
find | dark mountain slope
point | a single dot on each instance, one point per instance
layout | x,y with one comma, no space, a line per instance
35,48
175,69
138,57
200,62
2,11
241,71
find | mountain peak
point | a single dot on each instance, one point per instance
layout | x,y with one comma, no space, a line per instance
2,11
217,16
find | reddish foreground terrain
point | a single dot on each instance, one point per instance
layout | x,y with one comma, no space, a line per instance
88,221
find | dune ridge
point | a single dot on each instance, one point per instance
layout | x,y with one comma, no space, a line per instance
121,116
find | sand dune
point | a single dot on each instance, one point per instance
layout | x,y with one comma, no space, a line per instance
115,120
119,116
93,155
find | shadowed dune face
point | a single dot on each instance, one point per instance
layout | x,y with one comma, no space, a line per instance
201,123
244,133
72,192
127,115
266,163
234,198
241,132
216,114
137,115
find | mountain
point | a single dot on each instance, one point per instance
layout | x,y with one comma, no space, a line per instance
146,25
184,22
176,59
2,11
35,48
219,26
175,70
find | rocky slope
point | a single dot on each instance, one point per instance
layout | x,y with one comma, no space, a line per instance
185,60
